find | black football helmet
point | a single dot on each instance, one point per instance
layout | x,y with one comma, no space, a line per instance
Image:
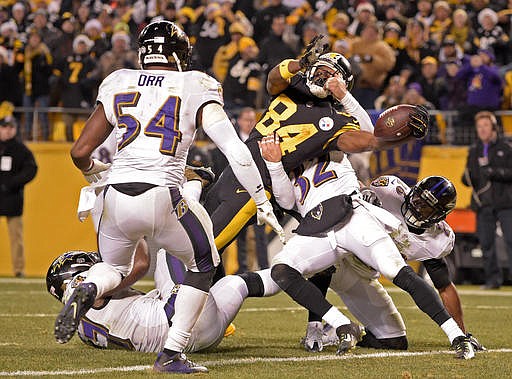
163,43
429,202
65,267
335,61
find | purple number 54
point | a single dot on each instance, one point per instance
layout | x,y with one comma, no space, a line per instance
164,124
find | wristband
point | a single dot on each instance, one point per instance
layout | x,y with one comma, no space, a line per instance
283,70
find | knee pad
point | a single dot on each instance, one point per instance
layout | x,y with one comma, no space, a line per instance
254,284
284,275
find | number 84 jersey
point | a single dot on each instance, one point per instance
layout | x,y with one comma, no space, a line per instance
154,114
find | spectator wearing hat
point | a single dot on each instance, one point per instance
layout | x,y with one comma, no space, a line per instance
94,30
461,30
120,56
429,82
376,59
19,16
227,52
393,36
64,43
243,79
391,11
392,94
452,91
83,15
442,21
17,168
37,68
484,88
365,13
338,27
78,75
49,34
489,35
451,51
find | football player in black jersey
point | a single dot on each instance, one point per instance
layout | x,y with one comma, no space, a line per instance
303,112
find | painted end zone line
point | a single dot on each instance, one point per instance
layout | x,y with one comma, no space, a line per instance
242,361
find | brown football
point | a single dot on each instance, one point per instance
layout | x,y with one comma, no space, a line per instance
392,124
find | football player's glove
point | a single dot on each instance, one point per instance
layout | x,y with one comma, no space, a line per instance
93,173
418,121
318,46
265,215
370,196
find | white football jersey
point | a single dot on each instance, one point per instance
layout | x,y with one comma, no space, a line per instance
154,114
322,171
436,242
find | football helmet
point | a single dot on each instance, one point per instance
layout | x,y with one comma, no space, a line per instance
65,267
337,62
163,43
429,202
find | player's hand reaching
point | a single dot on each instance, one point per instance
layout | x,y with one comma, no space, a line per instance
270,148
418,121
318,46
370,196
265,215
94,173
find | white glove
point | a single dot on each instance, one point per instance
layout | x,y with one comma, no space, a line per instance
93,173
265,215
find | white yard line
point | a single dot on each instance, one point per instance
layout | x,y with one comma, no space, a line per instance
244,361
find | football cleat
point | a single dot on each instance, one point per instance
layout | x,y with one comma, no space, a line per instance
75,308
349,335
477,346
204,174
230,330
177,363
329,336
312,342
463,348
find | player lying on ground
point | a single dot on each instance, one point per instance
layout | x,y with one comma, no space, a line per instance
424,236
335,220
132,320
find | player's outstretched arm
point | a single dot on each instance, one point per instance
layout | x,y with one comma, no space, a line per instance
217,126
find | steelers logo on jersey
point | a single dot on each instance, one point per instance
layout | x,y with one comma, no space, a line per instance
326,123
382,181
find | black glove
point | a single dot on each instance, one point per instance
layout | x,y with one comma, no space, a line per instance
418,121
318,46
371,197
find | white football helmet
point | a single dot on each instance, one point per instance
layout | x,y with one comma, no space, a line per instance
336,62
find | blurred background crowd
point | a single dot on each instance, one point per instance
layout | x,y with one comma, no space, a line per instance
448,55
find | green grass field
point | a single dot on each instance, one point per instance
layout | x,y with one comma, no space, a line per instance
266,344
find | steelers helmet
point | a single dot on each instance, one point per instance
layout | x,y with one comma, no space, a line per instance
163,43
336,62
65,267
429,202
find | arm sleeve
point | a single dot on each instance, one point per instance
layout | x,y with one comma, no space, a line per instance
218,127
282,188
353,107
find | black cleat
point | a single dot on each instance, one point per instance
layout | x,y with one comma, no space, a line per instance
463,348
75,308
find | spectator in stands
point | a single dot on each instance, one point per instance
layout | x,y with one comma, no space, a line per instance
391,12
451,51
484,87
94,30
273,49
365,13
461,30
64,42
79,76
424,14
243,80
227,52
376,59
37,68
442,21
264,19
213,33
489,35
429,82
452,90
338,28
10,90
120,56
49,34
489,174
19,16
392,94
17,168
83,15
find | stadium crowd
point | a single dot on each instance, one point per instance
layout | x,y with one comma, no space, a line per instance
447,55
